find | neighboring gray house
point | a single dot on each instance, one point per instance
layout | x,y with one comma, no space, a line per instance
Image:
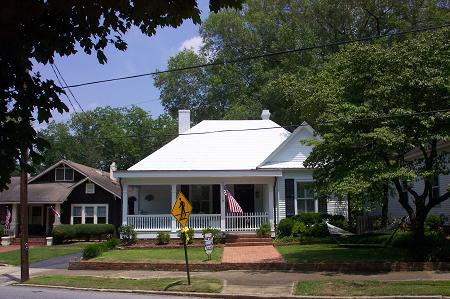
257,161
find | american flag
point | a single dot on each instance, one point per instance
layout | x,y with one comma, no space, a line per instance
232,203
8,218
55,212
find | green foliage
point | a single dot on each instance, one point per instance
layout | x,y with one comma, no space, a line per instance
190,234
112,243
64,28
128,235
218,235
435,223
284,228
2,230
263,230
67,232
298,229
94,250
163,238
77,139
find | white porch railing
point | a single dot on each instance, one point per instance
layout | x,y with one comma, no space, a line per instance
202,221
160,222
236,222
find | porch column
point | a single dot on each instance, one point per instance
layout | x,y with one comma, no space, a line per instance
15,219
124,204
174,199
222,208
58,209
316,205
271,198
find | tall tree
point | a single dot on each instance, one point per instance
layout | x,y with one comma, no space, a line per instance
373,104
35,30
104,135
241,90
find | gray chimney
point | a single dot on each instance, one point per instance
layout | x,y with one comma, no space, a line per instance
184,121
112,168
265,114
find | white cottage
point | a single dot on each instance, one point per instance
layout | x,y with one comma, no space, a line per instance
257,161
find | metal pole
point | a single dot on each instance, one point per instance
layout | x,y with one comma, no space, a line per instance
24,265
186,257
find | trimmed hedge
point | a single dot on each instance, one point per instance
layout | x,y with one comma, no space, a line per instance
67,232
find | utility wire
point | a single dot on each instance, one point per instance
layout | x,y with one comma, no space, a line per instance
331,122
60,83
67,87
263,55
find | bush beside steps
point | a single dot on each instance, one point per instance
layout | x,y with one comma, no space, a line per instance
95,250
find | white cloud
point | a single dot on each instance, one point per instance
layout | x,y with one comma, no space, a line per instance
194,44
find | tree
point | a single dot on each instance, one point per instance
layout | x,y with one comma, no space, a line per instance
104,135
35,31
241,90
373,104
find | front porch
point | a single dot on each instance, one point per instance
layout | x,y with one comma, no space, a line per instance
148,207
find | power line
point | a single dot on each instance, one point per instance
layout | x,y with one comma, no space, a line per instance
60,83
262,55
331,122
67,87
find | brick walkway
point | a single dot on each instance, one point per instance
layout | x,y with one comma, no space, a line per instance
251,254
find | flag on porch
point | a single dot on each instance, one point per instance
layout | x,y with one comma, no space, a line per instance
232,203
8,218
55,212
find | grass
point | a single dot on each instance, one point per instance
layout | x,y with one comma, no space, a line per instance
154,284
38,254
332,253
372,288
160,255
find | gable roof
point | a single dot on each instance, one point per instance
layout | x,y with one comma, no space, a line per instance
217,145
291,153
99,177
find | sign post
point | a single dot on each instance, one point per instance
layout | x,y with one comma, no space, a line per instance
181,210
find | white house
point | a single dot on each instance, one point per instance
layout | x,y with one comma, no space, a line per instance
257,161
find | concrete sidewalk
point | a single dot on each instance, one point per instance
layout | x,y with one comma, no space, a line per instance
253,282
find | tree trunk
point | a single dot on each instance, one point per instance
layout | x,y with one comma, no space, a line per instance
385,208
418,227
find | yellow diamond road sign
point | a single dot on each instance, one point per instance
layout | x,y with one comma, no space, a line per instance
182,209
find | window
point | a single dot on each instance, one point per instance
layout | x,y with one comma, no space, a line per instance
63,174
305,199
89,214
200,197
90,188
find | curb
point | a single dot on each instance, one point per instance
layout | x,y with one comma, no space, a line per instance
220,295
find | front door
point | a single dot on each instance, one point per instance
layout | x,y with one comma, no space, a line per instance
245,196
36,220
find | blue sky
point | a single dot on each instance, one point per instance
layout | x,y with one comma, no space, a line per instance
144,54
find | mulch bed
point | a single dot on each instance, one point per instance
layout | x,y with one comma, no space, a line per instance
309,267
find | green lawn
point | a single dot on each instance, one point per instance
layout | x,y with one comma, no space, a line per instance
332,253
38,254
160,255
155,284
372,288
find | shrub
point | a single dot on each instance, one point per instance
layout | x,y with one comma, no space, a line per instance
317,230
2,230
67,232
289,239
128,234
162,238
263,230
435,223
218,236
190,233
298,229
112,243
284,228
94,250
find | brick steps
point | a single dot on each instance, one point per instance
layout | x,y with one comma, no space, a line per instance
238,240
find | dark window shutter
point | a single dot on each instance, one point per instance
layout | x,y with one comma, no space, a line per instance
216,199
185,190
289,197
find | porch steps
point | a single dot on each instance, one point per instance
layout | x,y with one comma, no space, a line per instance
33,241
238,240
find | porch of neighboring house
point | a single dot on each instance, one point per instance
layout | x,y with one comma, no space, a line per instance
40,219
148,208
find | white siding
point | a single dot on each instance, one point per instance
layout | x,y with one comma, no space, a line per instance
337,207
281,199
